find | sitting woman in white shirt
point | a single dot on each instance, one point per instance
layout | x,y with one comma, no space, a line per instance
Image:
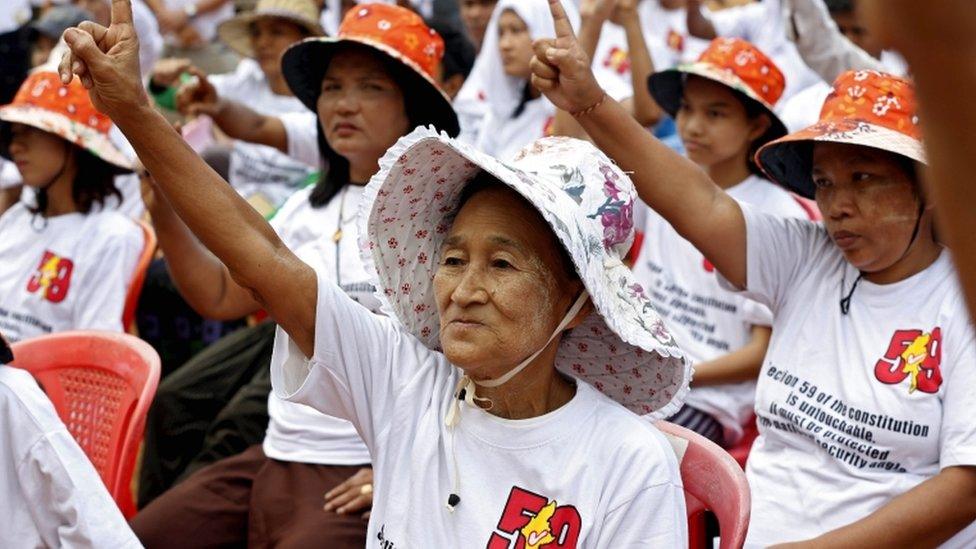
65,262
266,177
723,105
517,114
865,395
486,399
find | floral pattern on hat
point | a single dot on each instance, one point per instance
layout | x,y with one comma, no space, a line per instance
867,108
623,348
398,29
66,111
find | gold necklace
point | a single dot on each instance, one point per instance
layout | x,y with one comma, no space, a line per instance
337,236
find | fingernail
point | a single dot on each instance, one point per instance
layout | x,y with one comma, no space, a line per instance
76,66
69,35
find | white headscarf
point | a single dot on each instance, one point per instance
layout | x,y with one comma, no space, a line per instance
498,94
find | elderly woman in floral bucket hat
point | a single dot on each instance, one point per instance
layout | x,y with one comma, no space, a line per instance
487,398
364,85
65,260
864,399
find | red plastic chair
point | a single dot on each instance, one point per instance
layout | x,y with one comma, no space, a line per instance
138,276
101,384
714,482
740,452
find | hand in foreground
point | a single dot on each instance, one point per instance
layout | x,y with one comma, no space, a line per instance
107,62
353,495
197,96
561,69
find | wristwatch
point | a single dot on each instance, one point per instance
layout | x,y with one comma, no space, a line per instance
190,10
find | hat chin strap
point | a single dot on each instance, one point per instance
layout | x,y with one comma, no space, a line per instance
466,386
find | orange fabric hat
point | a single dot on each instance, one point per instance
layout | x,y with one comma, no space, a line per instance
391,30
732,62
866,108
66,111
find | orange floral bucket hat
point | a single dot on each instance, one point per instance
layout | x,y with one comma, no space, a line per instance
732,62
866,108
45,103
396,32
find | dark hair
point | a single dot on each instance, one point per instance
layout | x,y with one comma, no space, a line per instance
754,110
524,100
459,52
484,181
839,6
335,170
94,182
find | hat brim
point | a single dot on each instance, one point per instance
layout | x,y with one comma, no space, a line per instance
236,32
623,348
85,137
304,65
667,88
787,160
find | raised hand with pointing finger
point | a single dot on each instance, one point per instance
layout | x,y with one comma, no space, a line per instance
561,69
107,62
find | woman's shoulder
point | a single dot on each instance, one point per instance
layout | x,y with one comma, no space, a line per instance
109,228
632,441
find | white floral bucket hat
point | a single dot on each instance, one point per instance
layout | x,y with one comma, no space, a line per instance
623,348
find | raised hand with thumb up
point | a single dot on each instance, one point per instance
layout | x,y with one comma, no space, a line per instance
107,62
561,69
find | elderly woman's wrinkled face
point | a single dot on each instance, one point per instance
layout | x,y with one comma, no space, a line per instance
501,284
869,203
361,107
514,45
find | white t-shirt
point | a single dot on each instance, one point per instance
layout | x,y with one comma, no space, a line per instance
50,494
296,432
761,23
707,320
71,273
259,172
302,128
590,472
666,34
845,426
205,23
9,175
15,14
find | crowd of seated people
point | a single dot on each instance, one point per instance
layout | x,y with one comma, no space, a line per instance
427,272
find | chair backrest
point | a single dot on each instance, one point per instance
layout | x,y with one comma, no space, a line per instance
101,384
713,481
139,275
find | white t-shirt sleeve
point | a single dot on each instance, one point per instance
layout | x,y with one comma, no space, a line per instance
777,248
744,22
661,509
957,444
67,499
103,286
360,363
303,137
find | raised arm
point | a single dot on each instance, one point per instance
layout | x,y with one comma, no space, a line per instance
645,109
698,25
201,278
593,15
199,96
107,61
670,184
821,44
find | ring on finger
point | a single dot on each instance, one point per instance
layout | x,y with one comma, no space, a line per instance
366,489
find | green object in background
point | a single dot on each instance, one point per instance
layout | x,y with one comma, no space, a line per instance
166,98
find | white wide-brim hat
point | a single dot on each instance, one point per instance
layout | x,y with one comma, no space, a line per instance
623,348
